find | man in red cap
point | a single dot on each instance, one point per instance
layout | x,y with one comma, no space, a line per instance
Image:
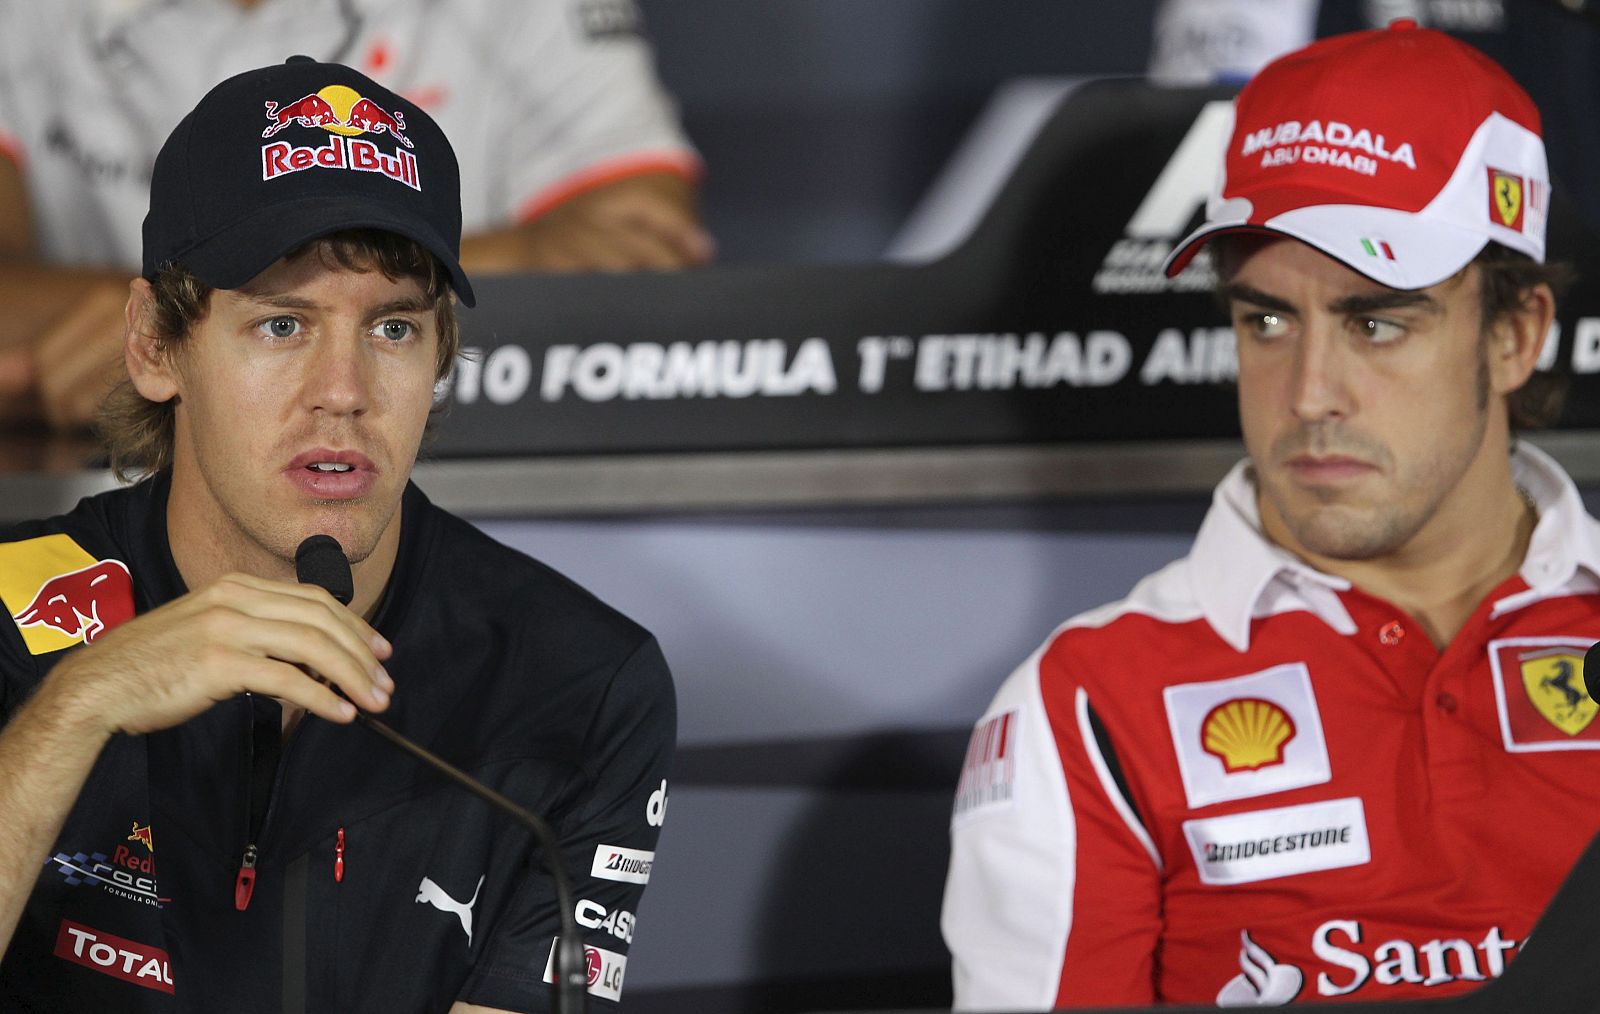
1331,753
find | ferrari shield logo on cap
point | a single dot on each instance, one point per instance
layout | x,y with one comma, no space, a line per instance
1505,198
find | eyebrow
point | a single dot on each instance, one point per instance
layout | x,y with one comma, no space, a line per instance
1388,299
285,301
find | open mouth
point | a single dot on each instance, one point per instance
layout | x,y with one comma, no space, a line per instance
329,466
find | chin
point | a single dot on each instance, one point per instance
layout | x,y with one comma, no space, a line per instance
1343,535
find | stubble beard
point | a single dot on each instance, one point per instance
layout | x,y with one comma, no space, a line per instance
1330,527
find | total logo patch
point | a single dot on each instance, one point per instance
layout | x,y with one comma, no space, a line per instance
606,969
613,862
115,956
1248,735
59,595
1540,694
345,113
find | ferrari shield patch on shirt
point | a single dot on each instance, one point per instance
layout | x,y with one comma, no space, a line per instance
59,595
1248,735
1540,695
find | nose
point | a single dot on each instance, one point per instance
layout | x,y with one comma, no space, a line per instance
1320,382
339,377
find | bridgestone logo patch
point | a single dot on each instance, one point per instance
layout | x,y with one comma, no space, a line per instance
1282,842
613,862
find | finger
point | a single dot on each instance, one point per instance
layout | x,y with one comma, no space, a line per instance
285,682
276,592
676,226
315,649
643,248
580,245
98,317
74,398
80,360
16,372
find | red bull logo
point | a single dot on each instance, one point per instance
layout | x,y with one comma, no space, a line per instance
347,114
82,604
341,110
143,836
311,111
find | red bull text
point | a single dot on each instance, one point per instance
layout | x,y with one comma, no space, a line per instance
282,158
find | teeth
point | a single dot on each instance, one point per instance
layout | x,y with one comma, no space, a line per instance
328,466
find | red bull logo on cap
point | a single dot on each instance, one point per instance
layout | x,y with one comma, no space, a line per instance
59,595
345,113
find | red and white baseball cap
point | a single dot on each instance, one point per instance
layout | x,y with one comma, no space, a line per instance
1400,152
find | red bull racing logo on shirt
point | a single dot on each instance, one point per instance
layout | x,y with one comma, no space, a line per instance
346,114
58,595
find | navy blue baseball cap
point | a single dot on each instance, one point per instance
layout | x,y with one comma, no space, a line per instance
276,157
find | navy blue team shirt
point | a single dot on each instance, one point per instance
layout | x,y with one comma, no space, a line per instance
377,885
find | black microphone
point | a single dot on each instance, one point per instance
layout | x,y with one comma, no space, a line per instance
319,560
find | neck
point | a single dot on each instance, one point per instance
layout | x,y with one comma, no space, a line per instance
1476,539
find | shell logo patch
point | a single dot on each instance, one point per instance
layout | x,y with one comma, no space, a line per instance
59,595
1540,695
1505,199
1246,733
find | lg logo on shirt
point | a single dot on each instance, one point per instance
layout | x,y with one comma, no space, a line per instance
655,811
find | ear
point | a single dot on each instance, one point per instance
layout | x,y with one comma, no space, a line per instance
1517,338
150,366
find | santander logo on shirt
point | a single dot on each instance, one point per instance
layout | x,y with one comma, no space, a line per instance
1351,961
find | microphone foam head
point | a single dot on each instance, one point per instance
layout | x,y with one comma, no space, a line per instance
320,561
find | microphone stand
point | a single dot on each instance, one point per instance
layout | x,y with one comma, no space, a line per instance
319,560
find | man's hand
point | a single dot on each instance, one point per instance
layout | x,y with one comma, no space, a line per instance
61,349
163,668
78,359
643,222
240,634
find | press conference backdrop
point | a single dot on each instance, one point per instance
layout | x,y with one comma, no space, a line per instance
1050,322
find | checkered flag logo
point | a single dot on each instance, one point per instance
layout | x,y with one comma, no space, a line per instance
74,867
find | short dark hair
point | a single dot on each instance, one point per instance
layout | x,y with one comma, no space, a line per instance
1505,277
139,433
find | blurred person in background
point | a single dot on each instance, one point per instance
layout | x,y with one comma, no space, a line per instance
571,155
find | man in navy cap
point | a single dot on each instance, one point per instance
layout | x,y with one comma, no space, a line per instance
216,840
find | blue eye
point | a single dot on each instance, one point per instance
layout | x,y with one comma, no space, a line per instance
395,330
280,327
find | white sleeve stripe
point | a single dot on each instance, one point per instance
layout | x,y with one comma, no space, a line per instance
1091,746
